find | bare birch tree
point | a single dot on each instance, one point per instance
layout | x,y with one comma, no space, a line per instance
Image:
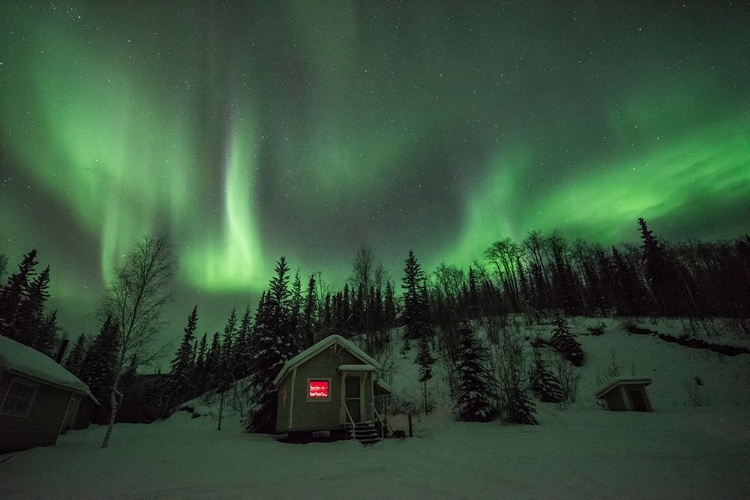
135,298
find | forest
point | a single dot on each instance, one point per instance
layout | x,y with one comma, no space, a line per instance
540,276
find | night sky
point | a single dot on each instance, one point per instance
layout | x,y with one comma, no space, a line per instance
306,129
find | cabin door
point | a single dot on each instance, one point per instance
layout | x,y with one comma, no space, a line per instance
353,395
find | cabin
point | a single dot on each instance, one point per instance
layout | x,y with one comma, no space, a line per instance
39,398
331,386
626,394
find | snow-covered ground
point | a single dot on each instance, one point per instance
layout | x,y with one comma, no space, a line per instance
679,451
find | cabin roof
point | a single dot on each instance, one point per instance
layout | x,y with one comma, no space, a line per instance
618,381
321,346
22,360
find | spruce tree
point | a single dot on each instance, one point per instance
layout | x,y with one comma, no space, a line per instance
425,362
45,338
274,345
543,382
212,364
12,296
243,349
98,369
183,364
389,306
198,379
474,304
31,319
74,361
473,394
631,294
565,342
519,409
227,348
296,302
309,315
660,274
416,309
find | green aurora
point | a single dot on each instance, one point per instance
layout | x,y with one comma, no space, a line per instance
306,129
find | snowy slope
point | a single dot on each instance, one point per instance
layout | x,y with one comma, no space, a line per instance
679,451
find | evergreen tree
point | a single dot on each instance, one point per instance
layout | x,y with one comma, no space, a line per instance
183,364
425,361
473,303
346,312
543,382
631,295
45,339
309,319
74,361
563,278
31,319
98,369
212,364
473,392
227,348
12,296
328,314
389,307
296,302
199,372
416,312
565,342
661,276
274,345
243,349
279,290
519,408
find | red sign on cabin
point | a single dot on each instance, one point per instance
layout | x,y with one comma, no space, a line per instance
318,389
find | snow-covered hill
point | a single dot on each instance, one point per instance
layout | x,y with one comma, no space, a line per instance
696,444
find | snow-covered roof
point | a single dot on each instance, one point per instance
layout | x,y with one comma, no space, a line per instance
22,360
379,382
324,344
601,391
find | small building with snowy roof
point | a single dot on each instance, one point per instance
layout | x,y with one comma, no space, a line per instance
626,394
330,386
39,398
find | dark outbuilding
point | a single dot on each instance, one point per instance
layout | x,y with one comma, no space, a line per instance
39,398
626,394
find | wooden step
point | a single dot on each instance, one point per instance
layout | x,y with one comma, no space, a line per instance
365,433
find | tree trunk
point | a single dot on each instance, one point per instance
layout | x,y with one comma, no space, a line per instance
221,410
115,405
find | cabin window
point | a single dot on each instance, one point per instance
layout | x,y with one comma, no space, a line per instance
318,389
18,398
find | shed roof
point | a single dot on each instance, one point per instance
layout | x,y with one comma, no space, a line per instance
615,382
324,344
22,360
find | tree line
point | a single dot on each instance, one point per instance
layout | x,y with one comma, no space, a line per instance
535,275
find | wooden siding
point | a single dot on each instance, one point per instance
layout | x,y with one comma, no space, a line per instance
41,426
317,415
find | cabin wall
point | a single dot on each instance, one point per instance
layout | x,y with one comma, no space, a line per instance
41,426
316,414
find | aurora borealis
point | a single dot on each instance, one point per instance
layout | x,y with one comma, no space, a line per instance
249,130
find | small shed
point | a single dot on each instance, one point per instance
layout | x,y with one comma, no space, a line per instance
39,398
626,394
327,386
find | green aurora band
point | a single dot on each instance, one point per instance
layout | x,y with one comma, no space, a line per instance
306,130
